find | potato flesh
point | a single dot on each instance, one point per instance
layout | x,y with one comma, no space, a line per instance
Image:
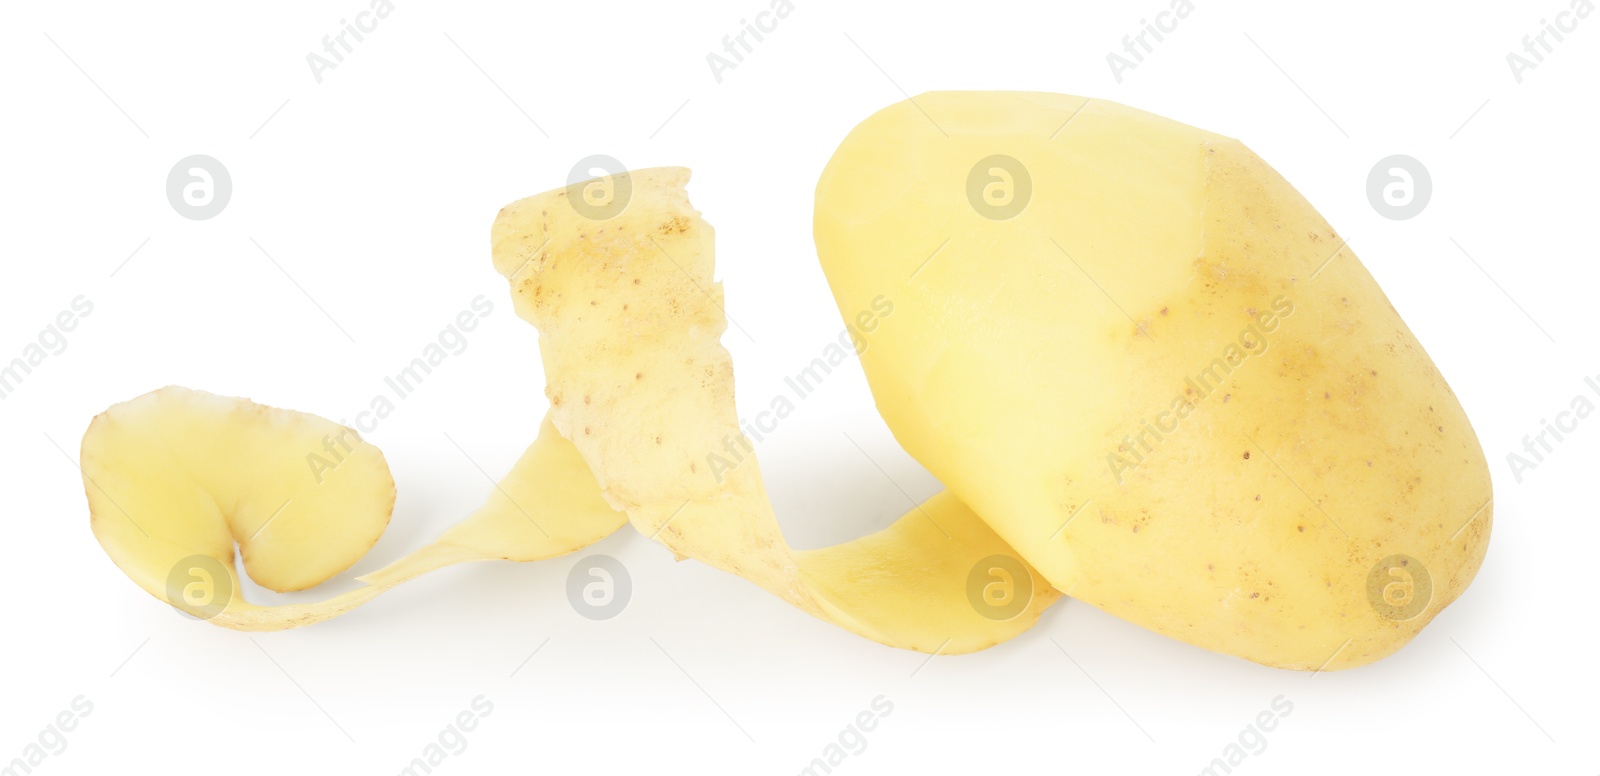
1029,350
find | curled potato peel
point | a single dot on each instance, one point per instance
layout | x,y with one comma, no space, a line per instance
629,319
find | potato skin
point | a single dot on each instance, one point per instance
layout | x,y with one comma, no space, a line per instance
630,323
1166,381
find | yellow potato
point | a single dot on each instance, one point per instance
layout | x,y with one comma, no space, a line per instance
1144,360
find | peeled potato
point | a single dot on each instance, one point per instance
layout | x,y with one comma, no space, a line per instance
1143,358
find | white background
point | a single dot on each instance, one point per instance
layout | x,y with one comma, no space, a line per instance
372,193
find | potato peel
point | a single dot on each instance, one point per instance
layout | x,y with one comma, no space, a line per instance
629,319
